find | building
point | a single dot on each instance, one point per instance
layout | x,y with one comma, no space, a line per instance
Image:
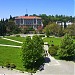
64,23
29,21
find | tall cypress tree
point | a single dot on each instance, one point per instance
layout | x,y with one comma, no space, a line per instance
2,28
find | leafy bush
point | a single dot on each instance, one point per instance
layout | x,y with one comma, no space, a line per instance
34,32
73,37
13,66
52,44
53,50
17,35
8,65
67,47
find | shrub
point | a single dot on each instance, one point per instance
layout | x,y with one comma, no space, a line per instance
8,65
73,37
53,50
34,32
52,44
67,47
17,35
13,66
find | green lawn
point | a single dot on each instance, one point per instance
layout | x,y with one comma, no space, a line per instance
21,39
56,41
74,40
11,55
7,42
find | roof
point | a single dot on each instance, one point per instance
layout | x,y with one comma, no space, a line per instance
27,17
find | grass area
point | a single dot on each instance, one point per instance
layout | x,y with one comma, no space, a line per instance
74,40
21,39
11,55
56,41
7,42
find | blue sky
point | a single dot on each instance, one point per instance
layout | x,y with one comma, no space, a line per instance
49,7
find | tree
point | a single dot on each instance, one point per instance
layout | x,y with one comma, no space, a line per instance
47,30
27,52
34,15
12,28
2,28
52,29
60,31
16,30
32,52
37,46
44,19
67,47
70,30
38,51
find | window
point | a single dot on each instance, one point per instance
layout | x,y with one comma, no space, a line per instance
39,21
21,21
17,21
34,21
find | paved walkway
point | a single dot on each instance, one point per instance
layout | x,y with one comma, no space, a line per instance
5,71
56,67
12,40
52,60
10,45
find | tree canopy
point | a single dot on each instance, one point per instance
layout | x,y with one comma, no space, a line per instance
67,47
9,26
2,28
53,29
70,30
32,51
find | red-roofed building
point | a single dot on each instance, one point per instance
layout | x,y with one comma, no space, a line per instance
29,21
